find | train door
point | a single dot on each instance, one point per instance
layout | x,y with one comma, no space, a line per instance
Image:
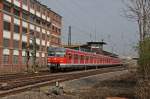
69,58
111,60
82,59
99,60
108,60
104,60
95,60
79,59
87,60
75,59
91,60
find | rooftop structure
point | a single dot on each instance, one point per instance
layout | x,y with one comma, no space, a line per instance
96,47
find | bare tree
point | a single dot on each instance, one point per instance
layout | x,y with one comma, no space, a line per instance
139,10
27,57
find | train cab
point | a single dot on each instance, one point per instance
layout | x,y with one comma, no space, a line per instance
56,56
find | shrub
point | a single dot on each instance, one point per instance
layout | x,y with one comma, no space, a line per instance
144,58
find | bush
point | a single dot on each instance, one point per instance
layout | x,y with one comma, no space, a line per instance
144,58
143,84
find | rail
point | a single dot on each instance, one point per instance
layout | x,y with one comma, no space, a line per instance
23,84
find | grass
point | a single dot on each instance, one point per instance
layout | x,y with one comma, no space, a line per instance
120,87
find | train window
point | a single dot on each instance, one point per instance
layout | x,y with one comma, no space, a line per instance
75,56
59,52
87,58
51,53
69,56
82,57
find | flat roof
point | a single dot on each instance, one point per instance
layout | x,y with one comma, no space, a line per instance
102,43
39,2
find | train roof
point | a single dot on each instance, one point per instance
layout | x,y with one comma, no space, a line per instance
78,51
89,53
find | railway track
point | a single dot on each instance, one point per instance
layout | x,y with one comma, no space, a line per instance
19,84
6,77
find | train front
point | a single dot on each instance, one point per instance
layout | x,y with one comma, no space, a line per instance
56,56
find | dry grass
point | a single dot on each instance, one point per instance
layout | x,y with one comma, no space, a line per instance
120,87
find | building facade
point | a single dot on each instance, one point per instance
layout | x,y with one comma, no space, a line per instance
20,20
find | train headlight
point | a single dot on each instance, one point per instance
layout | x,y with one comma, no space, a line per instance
61,61
55,58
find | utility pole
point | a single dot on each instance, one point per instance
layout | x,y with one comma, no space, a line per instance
95,33
91,37
69,36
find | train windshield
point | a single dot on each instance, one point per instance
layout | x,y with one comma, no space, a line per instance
59,52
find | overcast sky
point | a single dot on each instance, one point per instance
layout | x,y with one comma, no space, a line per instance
103,19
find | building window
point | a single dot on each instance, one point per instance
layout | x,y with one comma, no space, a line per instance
25,15
48,25
24,30
37,47
48,36
32,18
15,59
5,43
59,30
53,28
43,48
43,23
43,36
38,8
38,21
24,2
16,44
16,12
44,11
24,59
7,8
37,34
31,46
24,44
5,59
16,28
56,30
6,26
32,32
43,62
32,4
59,41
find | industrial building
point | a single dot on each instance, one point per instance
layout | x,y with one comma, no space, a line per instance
20,20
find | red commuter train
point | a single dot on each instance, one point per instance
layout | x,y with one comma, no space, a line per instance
61,58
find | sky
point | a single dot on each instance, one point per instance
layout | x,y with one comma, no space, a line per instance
94,20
